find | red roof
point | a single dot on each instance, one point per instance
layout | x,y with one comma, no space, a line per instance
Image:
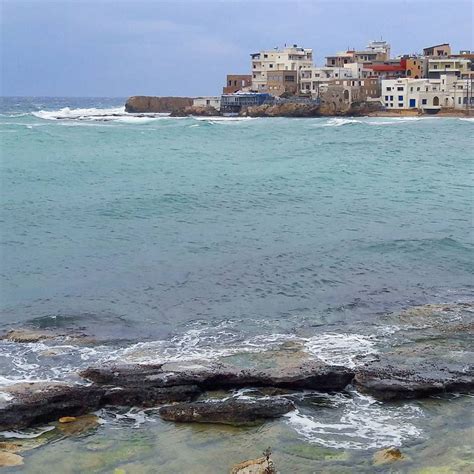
386,67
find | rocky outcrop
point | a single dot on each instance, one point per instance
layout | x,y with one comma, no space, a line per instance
34,403
391,378
148,104
196,111
233,411
311,375
287,109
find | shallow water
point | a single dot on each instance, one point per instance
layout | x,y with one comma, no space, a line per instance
191,238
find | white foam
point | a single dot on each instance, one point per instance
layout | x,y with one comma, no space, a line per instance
338,122
358,422
340,349
467,119
30,434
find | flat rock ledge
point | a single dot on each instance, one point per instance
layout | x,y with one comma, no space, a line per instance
386,382
309,375
231,411
29,404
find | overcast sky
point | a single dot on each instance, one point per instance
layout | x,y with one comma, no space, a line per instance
186,47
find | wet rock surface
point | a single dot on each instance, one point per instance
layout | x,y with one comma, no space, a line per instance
231,411
307,375
34,403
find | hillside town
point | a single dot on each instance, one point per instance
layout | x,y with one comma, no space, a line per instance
436,80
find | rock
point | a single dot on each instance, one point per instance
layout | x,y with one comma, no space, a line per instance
388,455
122,375
309,374
147,104
386,380
34,403
78,425
67,419
10,459
24,335
286,109
144,396
10,447
231,411
253,466
197,111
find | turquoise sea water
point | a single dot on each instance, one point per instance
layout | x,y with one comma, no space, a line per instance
199,237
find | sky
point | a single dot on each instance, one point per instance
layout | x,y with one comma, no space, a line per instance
118,48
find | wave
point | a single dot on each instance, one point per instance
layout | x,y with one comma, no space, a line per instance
115,114
359,423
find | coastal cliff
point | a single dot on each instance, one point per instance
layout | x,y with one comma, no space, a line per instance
144,104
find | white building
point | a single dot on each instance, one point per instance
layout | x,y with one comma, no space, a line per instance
427,94
210,101
291,58
312,79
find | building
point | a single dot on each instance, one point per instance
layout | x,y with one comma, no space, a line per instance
210,101
233,103
237,82
459,67
282,82
413,67
360,89
437,50
429,95
374,51
313,78
292,58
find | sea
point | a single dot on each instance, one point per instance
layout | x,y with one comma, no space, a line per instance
211,238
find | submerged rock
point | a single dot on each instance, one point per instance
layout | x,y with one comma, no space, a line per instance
78,425
230,411
8,459
388,455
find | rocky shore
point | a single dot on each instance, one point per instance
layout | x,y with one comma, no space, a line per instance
430,361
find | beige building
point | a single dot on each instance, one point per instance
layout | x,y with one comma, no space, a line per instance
437,50
292,58
313,79
459,67
210,101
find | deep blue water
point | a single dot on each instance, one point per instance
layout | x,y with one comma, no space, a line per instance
146,226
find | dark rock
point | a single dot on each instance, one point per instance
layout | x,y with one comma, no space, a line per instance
34,403
286,109
231,411
122,375
147,104
197,111
308,374
386,381
149,396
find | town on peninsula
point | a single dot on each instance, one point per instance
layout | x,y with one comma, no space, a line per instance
285,82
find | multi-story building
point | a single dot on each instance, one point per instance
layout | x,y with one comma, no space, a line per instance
427,94
437,50
237,82
282,81
459,67
312,79
374,51
292,58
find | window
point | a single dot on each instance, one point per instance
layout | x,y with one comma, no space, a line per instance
400,97
400,104
436,100
412,102
271,66
418,89
265,55
435,66
459,100
389,88
386,98
423,101
391,97
411,89
399,88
